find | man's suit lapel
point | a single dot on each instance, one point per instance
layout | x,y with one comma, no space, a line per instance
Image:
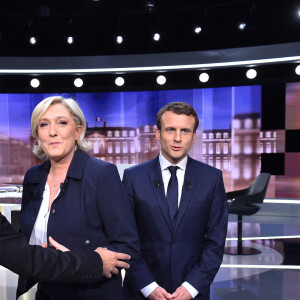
187,191
157,184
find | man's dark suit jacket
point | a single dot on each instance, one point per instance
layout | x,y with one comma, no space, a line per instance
92,210
193,250
45,264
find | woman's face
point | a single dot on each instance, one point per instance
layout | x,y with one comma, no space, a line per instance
58,132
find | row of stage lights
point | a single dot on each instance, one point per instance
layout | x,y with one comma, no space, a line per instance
161,79
119,39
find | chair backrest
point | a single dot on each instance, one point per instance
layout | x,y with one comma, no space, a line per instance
260,185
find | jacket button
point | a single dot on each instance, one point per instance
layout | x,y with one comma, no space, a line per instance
87,242
53,211
172,242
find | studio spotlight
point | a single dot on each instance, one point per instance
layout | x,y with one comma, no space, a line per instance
32,40
34,82
119,81
161,79
197,29
78,82
70,40
242,26
297,70
251,73
119,39
156,37
204,77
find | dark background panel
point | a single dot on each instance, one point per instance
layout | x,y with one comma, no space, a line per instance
273,107
292,141
272,163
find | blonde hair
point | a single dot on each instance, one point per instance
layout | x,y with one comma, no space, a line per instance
76,113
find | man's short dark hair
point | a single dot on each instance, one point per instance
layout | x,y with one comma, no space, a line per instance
179,108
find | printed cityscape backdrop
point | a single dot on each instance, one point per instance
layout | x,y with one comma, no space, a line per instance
121,128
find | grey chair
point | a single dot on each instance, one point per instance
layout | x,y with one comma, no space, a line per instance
243,204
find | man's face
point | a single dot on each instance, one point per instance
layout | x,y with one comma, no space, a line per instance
176,136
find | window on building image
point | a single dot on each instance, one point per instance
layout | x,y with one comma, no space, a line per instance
236,124
210,148
218,135
109,133
248,124
117,133
146,128
118,147
124,133
204,148
211,136
247,147
125,160
131,133
133,160
236,149
218,148
125,147
95,146
110,160
132,147
225,163
225,135
218,163
118,160
109,147
225,148
261,147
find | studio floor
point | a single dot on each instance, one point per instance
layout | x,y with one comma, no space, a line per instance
274,274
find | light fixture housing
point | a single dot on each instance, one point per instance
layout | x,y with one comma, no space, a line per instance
119,81
119,39
78,82
35,83
156,36
204,77
70,40
251,73
161,79
242,26
32,40
197,29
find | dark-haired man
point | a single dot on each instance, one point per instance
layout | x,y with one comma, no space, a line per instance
181,215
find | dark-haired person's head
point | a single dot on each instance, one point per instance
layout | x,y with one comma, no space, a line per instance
179,108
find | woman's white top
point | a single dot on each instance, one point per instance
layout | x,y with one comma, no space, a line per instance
39,232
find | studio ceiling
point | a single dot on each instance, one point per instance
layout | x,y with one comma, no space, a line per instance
94,25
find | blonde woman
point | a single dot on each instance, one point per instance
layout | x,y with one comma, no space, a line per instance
74,198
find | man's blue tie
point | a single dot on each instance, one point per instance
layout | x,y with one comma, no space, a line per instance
172,194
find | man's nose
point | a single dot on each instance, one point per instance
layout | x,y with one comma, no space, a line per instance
177,136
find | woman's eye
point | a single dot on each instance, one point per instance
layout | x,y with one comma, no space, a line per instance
43,124
63,122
